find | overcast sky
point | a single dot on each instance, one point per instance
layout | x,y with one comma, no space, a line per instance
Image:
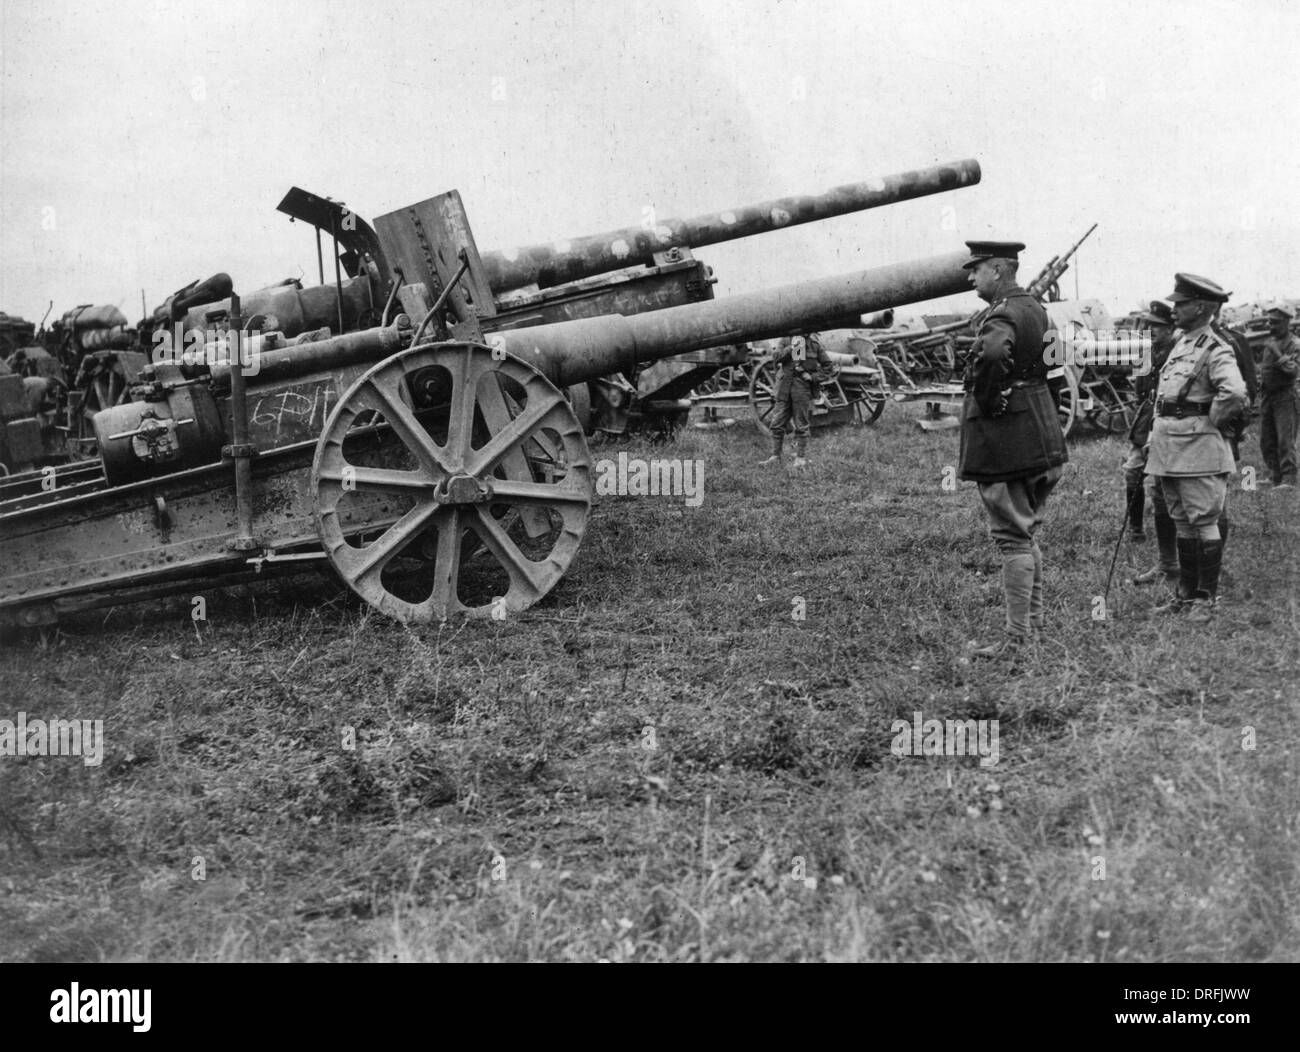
144,145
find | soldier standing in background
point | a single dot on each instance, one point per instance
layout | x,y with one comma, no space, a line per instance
1159,320
1011,439
1279,369
1200,391
802,363
1235,430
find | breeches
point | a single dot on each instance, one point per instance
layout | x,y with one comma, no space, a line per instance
793,406
1135,465
1195,503
1015,509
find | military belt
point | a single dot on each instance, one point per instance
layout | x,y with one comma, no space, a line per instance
1181,409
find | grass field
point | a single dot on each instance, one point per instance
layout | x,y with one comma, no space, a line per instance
662,762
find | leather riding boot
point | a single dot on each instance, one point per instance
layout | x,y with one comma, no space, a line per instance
1189,571
1018,587
1136,507
1167,541
1210,563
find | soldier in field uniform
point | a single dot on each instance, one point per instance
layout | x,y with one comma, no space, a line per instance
1159,321
1200,390
803,363
1279,369
1011,439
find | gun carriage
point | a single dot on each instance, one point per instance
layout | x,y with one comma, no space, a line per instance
434,460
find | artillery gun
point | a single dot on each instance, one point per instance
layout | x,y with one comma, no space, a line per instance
625,271
437,467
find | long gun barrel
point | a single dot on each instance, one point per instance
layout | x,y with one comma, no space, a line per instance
571,352
583,257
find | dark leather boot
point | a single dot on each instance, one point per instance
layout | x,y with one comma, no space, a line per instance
1189,570
1207,591
1136,507
1167,541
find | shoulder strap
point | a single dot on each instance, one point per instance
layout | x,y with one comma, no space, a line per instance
1205,357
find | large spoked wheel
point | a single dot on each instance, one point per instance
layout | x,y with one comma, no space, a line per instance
762,394
103,385
1067,402
449,482
1113,410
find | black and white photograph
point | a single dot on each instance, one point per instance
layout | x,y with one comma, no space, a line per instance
755,482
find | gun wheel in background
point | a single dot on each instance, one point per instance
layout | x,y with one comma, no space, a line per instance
1067,402
762,394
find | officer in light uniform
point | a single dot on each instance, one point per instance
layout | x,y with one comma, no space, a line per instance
1011,439
1279,369
1200,389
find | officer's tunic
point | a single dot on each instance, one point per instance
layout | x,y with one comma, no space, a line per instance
1192,445
1010,426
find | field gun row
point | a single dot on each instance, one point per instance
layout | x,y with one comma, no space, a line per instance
436,460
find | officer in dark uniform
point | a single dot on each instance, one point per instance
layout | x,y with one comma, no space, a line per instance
1200,394
1011,439
1279,369
1159,321
803,362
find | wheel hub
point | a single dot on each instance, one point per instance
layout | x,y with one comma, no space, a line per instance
463,489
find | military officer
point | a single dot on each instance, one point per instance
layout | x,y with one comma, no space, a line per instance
802,363
1200,390
1279,369
1011,439
1158,319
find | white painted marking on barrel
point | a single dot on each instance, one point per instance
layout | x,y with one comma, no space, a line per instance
510,255
664,233
780,217
876,186
563,247
620,249
728,217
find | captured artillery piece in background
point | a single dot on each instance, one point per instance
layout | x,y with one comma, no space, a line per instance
438,468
